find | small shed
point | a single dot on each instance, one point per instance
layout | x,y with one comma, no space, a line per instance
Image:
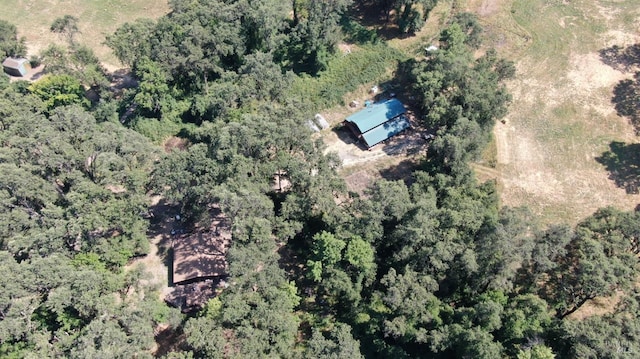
322,123
15,66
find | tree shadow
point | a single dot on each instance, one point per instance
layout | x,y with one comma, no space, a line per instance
402,171
163,226
347,136
623,163
371,18
626,94
620,58
626,100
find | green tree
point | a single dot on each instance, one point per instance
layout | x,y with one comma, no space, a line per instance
67,27
318,31
360,254
611,336
412,14
506,247
471,27
10,44
256,312
451,85
86,66
539,351
131,41
263,25
461,342
337,343
598,262
327,248
550,246
262,79
413,308
153,95
59,90
526,319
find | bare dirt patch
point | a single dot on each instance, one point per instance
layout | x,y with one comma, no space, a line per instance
561,119
155,263
339,139
394,159
598,306
175,143
488,7
588,73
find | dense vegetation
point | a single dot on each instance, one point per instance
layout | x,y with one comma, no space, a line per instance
10,45
434,269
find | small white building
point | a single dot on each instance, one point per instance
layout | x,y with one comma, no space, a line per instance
321,122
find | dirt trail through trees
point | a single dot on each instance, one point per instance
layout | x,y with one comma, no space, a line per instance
155,263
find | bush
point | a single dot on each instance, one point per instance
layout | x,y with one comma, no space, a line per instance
356,33
34,61
60,90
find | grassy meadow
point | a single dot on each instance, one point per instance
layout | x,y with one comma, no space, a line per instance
98,18
561,121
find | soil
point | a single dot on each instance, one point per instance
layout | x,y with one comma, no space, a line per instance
155,263
488,7
544,177
597,306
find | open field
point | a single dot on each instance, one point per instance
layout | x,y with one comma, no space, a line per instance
98,18
561,121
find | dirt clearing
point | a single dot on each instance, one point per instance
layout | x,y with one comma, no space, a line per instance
390,160
155,264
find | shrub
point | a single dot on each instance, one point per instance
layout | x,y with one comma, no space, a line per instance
345,73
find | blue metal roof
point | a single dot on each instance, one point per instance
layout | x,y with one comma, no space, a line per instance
377,114
386,130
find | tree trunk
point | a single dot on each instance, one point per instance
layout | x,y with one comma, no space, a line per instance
574,308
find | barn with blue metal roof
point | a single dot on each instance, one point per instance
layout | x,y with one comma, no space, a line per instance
379,121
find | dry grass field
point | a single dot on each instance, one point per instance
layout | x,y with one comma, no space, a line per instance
98,18
562,120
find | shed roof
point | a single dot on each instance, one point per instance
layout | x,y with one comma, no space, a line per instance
14,63
386,130
377,114
321,121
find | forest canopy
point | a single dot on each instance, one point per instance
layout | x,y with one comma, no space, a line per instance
429,267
